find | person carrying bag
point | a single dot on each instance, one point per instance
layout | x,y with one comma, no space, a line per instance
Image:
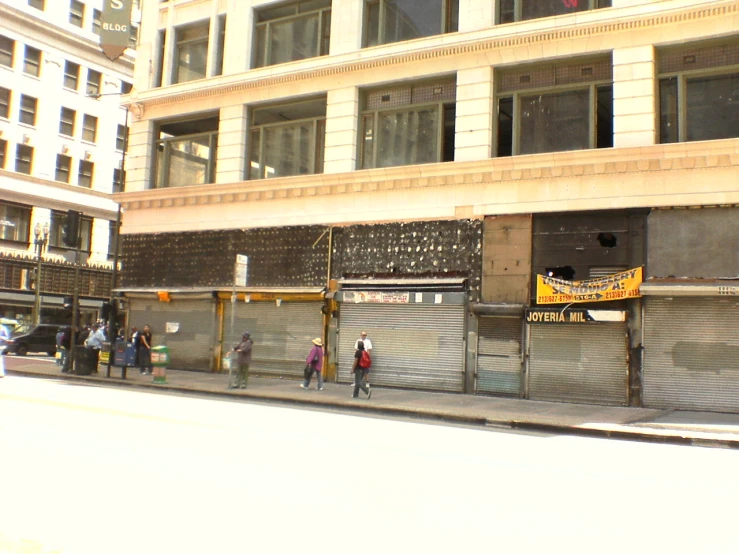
314,364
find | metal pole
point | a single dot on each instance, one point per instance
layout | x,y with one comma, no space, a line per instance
75,307
37,299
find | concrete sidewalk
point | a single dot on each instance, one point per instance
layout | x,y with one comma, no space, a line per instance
665,426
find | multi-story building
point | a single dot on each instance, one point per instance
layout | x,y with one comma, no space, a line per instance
62,133
417,168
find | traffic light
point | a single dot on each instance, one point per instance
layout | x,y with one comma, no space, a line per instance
107,311
71,229
67,303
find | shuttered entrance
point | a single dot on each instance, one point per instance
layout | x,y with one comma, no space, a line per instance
585,364
499,355
191,346
282,334
691,353
419,346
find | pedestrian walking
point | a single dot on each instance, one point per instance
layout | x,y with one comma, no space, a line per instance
314,364
243,349
136,341
59,347
66,349
368,348
145,339
360,371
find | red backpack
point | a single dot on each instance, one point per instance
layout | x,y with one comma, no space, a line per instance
364,360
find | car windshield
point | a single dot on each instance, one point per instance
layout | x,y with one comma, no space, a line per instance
22,330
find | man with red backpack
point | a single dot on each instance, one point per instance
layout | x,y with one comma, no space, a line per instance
360,368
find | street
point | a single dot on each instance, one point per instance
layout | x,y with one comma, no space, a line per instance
89,469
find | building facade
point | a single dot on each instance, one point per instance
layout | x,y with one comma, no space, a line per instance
439,157
62,135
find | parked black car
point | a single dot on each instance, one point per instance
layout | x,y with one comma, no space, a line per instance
32,338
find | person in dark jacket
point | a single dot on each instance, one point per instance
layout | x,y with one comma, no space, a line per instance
359,373
243,349
314,364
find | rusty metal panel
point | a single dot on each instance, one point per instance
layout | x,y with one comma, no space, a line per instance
691,353
585,363
506,259
499,355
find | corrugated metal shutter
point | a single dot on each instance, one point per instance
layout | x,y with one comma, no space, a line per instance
579,363
282,334
191,347
691,353
499,355
419,346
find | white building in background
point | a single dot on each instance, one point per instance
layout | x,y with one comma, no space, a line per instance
61,148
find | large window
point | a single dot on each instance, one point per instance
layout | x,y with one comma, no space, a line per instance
32,61
89,128
3,152
521,10
56,231
4,103
66,122
191,56
287,140
15,222
94,82
23,158
7,46
292,32
63,167
699,93
389,21
76,13
186,153
71,75
555,108
84,173
28,110
408,125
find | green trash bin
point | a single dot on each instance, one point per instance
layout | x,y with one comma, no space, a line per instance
160,361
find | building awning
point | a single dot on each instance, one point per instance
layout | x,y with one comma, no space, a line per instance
445,283
255,293
672,287
496,309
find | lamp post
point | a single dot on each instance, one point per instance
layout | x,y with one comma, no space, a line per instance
40,241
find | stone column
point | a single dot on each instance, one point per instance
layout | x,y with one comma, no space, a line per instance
476,14
139,157
342,119
474,121
634,97
231,145
239,26
346,26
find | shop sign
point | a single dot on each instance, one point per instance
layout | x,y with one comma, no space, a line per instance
548,315
377,297
115,27
241,270
618,286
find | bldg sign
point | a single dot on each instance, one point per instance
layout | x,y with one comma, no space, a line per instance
572,315
241,270
618,286
377,297
115,27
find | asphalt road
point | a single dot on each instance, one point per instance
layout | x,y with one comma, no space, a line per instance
99,470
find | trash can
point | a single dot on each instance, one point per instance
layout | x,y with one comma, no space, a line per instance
160,361
85,360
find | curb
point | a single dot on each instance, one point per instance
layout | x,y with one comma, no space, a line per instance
425,414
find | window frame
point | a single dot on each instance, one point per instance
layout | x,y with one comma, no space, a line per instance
446,22
6,98
120,137
63,169
166,157
85,173
518,10
58,221
24,223
179,43
37,4
71,76
97,21
77,13
93,87
7,51
66,123
24,110
18,159
87,129
29,62
3,153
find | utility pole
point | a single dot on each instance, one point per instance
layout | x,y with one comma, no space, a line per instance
40,241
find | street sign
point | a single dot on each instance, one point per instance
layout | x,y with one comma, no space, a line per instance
618,286
241,270
115,27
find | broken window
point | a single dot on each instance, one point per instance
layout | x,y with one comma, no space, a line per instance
186,152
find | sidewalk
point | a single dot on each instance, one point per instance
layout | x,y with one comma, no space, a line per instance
665,426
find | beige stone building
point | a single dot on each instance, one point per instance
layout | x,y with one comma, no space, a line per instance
420,162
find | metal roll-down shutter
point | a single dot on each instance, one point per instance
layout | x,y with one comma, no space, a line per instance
499,355
419,346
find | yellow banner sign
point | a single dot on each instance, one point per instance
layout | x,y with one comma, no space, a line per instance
618,286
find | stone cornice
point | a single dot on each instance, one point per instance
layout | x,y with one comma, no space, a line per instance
499,171
469,43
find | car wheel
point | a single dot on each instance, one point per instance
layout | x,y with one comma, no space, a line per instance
22,350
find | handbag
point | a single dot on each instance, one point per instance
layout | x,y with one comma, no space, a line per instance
307,371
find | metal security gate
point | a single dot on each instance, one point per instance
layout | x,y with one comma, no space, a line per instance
419,346
192,323
499,355
579,363
691,353
282,334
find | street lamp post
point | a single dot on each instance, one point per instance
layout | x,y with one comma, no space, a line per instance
40,241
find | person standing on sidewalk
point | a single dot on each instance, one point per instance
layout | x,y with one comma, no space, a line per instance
367,346
145,339
314,361
360,372
243,349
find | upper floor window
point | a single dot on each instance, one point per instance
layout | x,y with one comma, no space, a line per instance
126,88
71,75
112,239
119,180
63,166
408,125
699,93
186,152
56,231
555,108
32,61
521,10
192,53
3,152
7,46
389,21
94,82
27,113
23,158
66,122
89,128
76,13
133,36
120,137
38,4
15,222
4,103
96,21
291,32
84,173
287,139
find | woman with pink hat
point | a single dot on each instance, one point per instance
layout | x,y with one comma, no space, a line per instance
314,364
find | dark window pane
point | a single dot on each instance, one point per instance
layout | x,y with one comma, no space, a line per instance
450,115
555,122
23,158
373,24
668,111
3,152
409,19
713,107
63,163
6,51
295,39
71,75
32,61
507,11
66,122
28,110
255,168
604,121
505,127
84,176
533,9
368,141
408,138
288,150
4,103
14,222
